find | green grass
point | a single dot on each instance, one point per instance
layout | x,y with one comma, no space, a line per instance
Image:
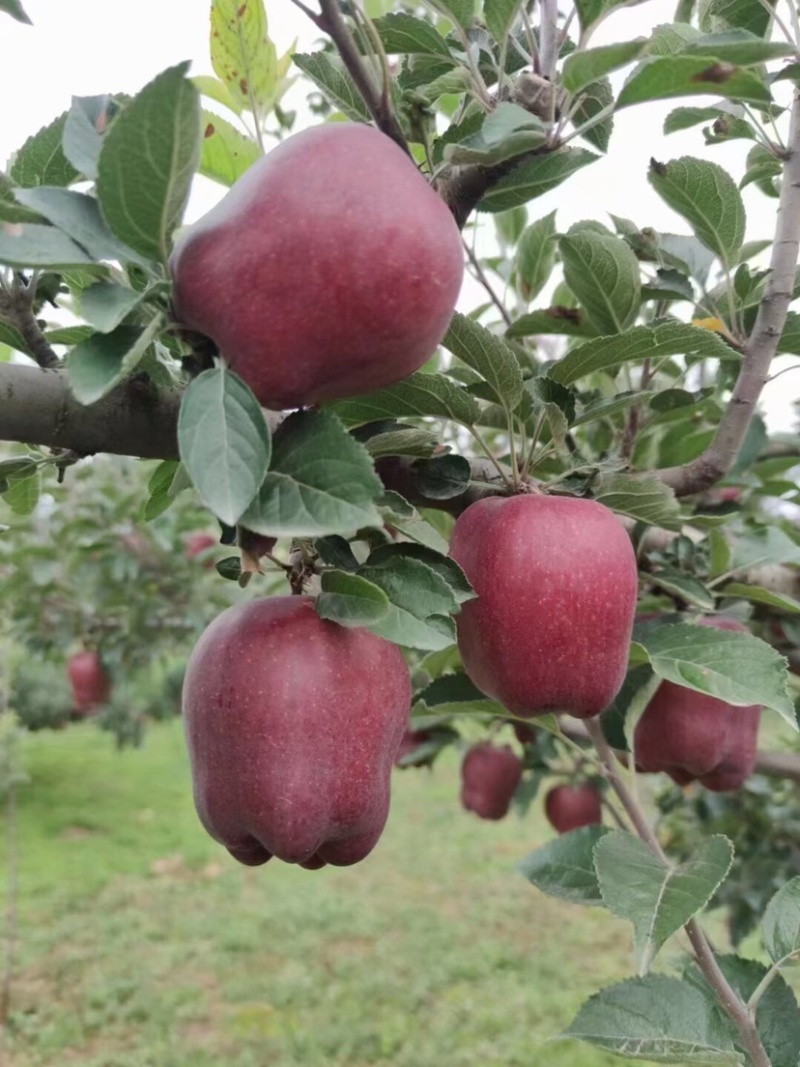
141,944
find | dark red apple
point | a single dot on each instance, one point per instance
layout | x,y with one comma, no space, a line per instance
489,779
695,737
569,807
410,741
331,268
526,735
91,686
556,581
195,544
293,724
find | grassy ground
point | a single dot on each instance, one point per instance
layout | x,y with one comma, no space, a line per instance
142,945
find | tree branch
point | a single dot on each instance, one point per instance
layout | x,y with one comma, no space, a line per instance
16,307
332,23
762,343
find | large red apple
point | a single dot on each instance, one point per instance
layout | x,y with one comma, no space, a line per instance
569,807
695,737
293,724
556,581
331,268
91,686
489,779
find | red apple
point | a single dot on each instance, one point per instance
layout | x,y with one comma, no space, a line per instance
569,807
695,737
293,724
91,686
410,741
526,735
195,544
556,581
331,268
489,779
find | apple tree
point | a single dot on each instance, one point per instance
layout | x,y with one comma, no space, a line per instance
561,503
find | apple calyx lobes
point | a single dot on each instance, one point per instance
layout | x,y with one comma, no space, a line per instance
556,580
331,268
568,807
91,686
695,737
292,724
489,779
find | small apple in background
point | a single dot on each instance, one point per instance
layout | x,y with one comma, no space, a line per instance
568,807
410,741
195,544
293,724
91,686
331,268
489,779
556,579
526,735
695,737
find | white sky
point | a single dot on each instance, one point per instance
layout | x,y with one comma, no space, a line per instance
85,47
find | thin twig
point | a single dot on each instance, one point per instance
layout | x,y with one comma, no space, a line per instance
482,277
16,307
548,39
762,344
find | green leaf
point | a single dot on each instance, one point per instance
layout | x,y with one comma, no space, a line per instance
684,118
657,1018
95,366
684,586
763,170
158,487
442,477
10,208
564,321
727,14
735,667
83,131
420,602
535,177
78,215
656,898
603,273
226,153
508,131
613,405
23,492
321,482
416,396
445,567
460,11
351,600
336,552
216,89
643,497
564,868
242,54
586,66
594,115
759,595
536,257
790,336
15,10
105,304
706,196
329,73
147,162
487,354
499,16
224,443
41,160
769,545
681,75
739,47
413,441
404,34
780,924
640,342
30,245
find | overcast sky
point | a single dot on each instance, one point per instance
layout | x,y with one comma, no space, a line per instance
85,47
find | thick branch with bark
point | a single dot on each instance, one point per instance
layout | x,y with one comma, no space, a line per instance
762,343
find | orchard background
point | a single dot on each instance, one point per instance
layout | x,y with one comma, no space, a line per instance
637,357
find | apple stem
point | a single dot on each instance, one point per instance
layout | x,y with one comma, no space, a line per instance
729,999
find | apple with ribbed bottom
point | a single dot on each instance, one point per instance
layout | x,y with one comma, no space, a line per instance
293,723
91,686
330,268
556,580
568,807
695,737
489,778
